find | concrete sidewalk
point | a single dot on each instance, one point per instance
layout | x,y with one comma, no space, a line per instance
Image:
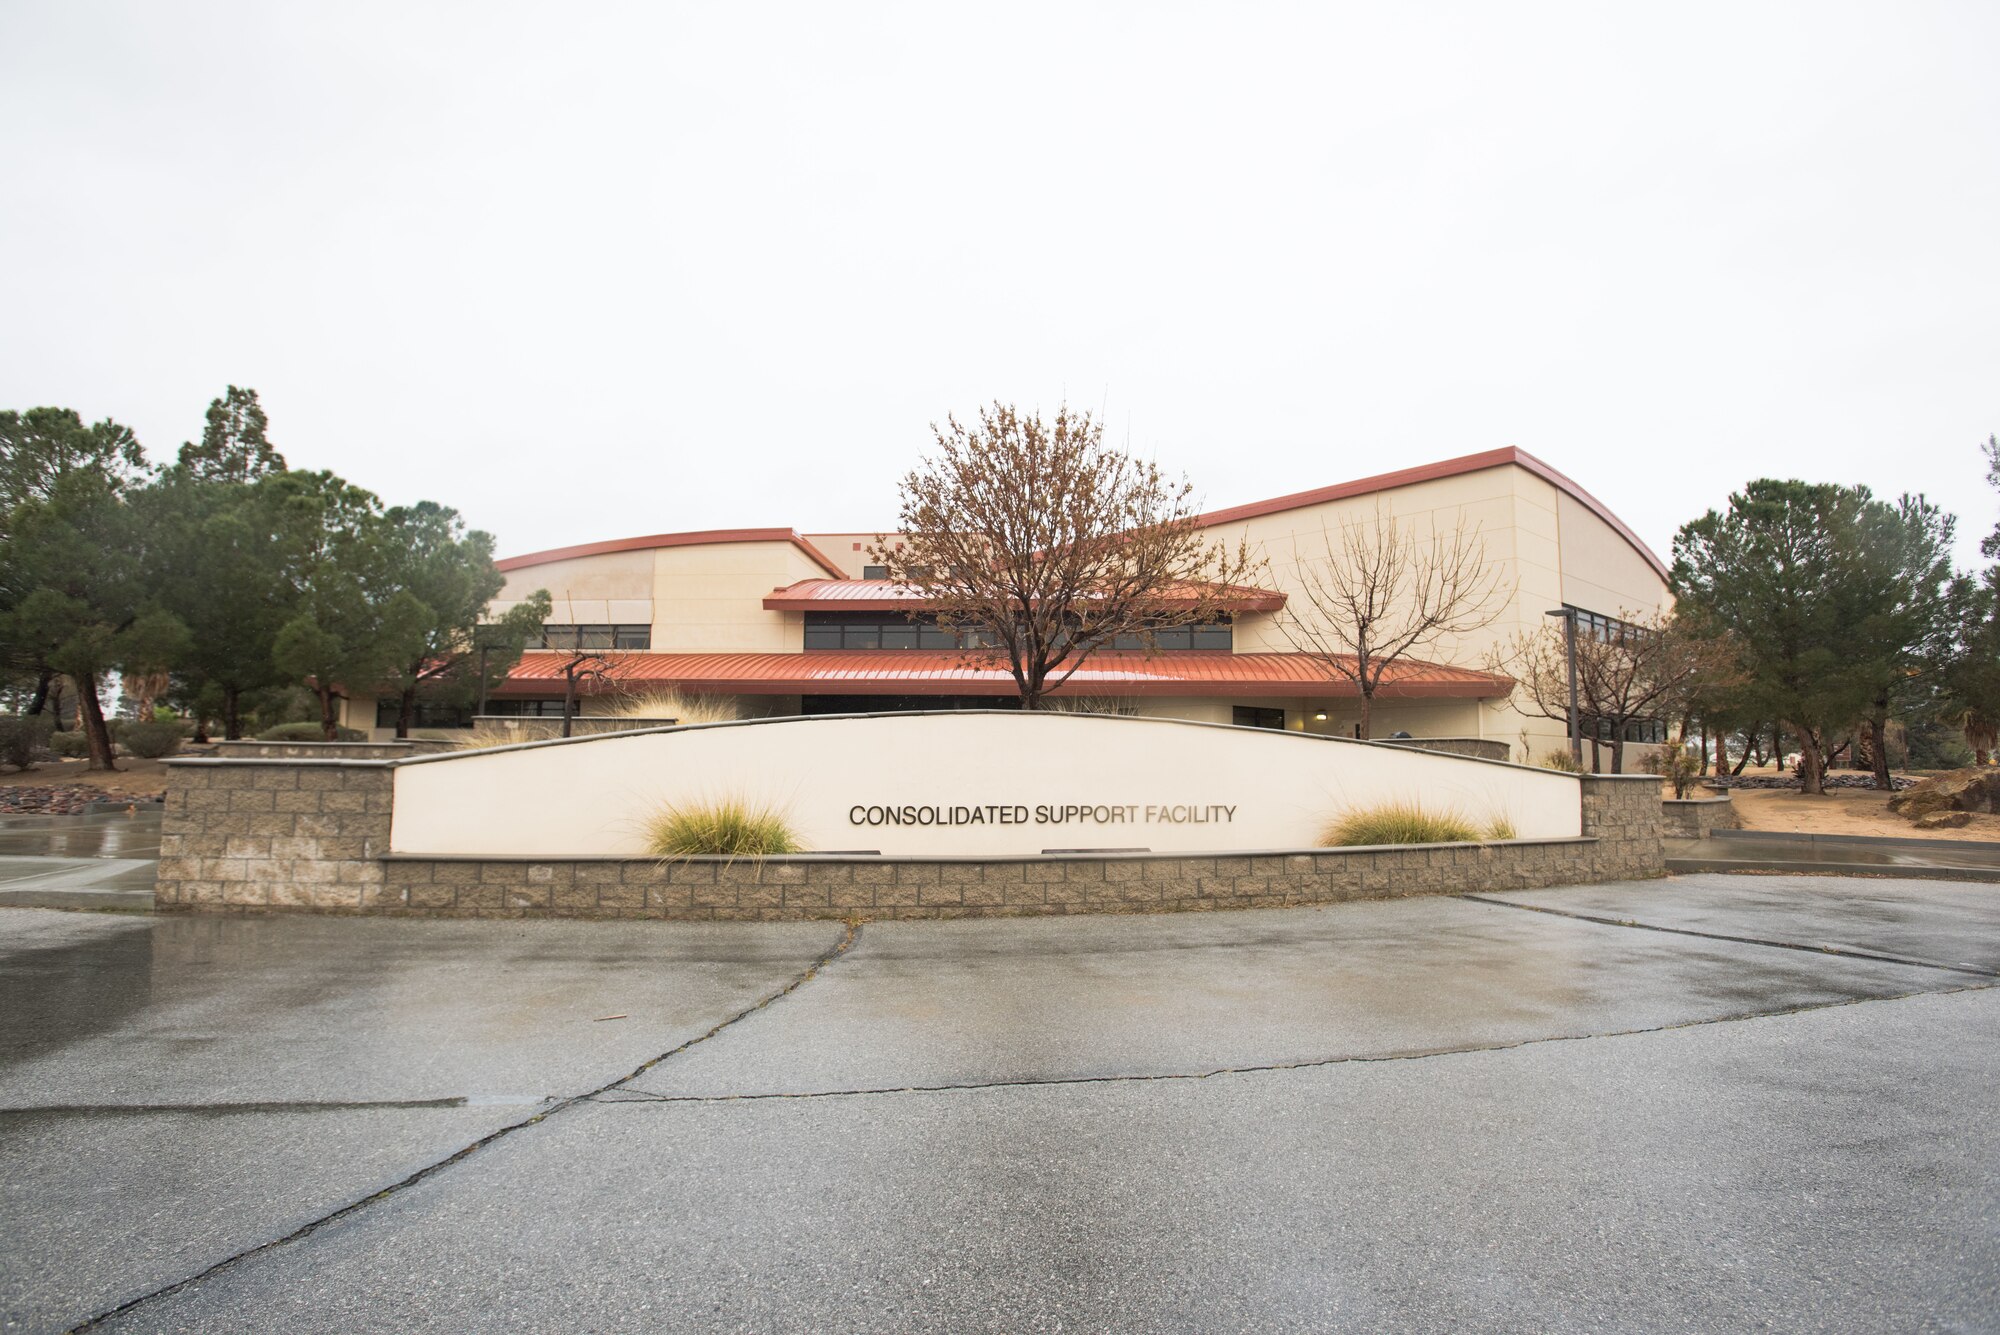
1695,1104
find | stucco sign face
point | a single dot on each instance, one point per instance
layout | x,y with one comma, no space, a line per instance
969,783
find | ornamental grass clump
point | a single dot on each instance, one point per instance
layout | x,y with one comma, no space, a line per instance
1397,823
679,706
723,827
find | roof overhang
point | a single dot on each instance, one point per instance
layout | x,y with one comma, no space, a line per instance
880,595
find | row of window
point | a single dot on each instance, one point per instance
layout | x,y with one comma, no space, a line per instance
430,714
597,637
1650,730
852,630
1604,629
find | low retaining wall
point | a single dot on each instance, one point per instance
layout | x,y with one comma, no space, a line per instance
505,729
1482,748
313,836
1694,817
255,750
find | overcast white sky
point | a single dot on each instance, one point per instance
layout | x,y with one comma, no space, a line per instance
588,271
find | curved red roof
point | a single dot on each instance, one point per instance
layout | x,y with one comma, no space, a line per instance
1468,463
949,672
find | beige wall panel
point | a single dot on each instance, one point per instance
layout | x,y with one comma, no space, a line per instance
711,599
1601,572
839,548
612,575
592,797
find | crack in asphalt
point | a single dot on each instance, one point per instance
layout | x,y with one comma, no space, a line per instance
1845,952
271,1106
432,1169
611,1098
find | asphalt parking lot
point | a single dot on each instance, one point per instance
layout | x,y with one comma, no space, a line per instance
1712,1102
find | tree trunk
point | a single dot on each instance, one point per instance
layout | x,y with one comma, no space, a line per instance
1618,751
96,733
200,737
1367,711
41,697
406,713
1702,773
1809,765
1596,756
569,700
232,713
329,716
1878,745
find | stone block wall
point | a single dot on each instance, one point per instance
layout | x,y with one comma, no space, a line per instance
1694,817
253,835
273,834
255,750
502,729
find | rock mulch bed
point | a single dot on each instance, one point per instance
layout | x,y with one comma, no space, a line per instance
67,800
1790,782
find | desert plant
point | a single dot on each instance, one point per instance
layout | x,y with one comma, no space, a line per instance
725,827
1564,760
682,707
1397,823
308,732
152,740
1117,706
22,739
71,745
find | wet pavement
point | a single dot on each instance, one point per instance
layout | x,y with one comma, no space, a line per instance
1714,1102
1835,854
106,861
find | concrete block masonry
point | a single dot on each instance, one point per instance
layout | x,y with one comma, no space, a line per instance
312,836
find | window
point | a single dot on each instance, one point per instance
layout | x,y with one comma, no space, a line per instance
1216,636
527,708
1604,629
597,637
1650,731
880,630
1250,716
428,714
874,572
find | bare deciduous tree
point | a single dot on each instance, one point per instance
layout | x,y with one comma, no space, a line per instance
1645,666
1377,592
1047,546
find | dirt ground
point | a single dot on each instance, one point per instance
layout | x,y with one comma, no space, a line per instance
1844,811
140,778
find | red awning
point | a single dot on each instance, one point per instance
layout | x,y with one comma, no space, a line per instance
949,672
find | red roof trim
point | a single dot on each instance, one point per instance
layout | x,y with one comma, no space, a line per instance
1469,463
946,672
879,595
702,538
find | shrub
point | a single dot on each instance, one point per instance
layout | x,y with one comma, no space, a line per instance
1564,760
308,732
682,708
151,740
71,745
23,737
1397,823
728,827
1501,827
1677,765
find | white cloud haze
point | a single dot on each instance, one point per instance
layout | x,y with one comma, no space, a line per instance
586,271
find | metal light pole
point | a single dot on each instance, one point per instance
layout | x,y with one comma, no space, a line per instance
1568,614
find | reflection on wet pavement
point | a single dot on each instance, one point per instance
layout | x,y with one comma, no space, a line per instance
117,835
99,861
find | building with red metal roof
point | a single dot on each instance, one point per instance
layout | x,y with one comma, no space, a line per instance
769,621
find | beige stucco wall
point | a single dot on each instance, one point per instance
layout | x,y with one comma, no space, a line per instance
1551,549
593,796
